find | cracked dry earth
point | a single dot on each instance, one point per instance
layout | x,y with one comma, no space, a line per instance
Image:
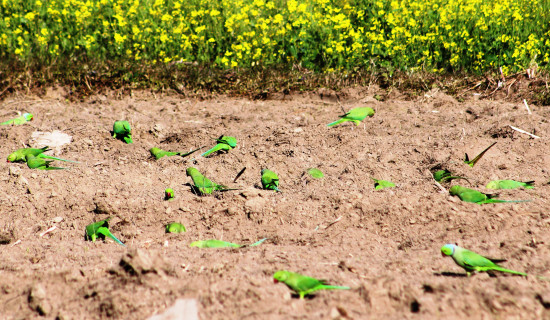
384,244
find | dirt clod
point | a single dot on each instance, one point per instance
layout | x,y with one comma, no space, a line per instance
38,300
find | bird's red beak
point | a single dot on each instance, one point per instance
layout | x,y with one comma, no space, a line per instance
442,254
275,281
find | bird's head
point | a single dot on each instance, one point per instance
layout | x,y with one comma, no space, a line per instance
168,193
280,276
455,190
492,185
28,116
231,141
190,171
448,250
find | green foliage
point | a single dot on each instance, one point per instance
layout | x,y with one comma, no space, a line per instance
322,35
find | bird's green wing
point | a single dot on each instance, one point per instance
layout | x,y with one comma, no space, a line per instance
474,260
230,141
359,114
473,196
301,283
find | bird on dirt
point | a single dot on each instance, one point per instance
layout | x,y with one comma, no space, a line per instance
122,131
224,143
301,284
474,196
472,262
25,117
355,115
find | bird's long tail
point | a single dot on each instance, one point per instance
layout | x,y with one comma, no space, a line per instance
55,168
181,154
327,287
224,188
45,156
108,233
453,177
510,271
214,149
336,122
258,242
502,201
529,184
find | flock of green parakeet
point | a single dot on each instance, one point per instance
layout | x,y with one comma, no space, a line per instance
302,285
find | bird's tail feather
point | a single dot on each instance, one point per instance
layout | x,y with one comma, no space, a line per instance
258,242
55,158
335,122
208,152
182,154
110,235
328,287
503,201
510,271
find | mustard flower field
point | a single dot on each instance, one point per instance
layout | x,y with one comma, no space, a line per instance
436,36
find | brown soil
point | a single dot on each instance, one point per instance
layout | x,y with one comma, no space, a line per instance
383,244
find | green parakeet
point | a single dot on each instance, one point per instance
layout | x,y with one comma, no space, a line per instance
445,175
510,184
472,261
19,120
122,131
381,184
472,162
169,194
175,227
315,173
100,229
225,143
270,180
20,155
159,153
356,115
203,185
40,164
470,195
301,284
213,243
